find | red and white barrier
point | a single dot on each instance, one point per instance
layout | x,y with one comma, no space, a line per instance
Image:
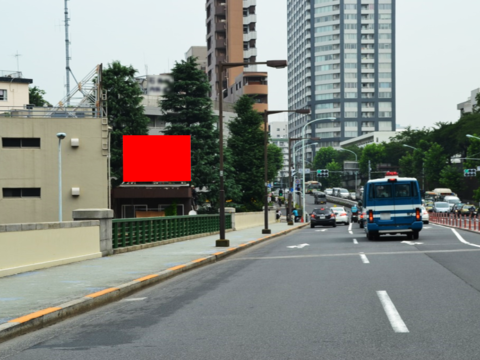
470,222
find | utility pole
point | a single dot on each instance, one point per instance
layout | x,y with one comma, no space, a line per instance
369,169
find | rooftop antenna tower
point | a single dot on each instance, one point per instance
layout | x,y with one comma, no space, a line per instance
17,55
67,53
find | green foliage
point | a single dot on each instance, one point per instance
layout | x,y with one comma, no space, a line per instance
187,108
246,144
452,177
473,151
36,97
476,195
172,209
374,153
406,166
323,157
434,162
275,161
334,178
125,112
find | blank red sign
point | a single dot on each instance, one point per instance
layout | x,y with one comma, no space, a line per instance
149,158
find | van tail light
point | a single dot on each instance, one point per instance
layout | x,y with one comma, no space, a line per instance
370,216
418,216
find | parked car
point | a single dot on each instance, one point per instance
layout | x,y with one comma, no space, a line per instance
329,192
425,216
341,215
441,207
320,198
322,216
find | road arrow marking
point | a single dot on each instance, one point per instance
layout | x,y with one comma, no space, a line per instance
297,246
411,243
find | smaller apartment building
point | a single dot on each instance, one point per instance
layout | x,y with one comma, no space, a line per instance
282,144
13,89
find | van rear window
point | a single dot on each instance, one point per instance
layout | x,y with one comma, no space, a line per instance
385,191
381,191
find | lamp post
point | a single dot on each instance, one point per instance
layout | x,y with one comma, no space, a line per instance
289,217
60,136
423,166
222,242
266,230
356,160
301,148
303,185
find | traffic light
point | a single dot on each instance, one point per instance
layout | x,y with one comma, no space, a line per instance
470,172
280,193
322,173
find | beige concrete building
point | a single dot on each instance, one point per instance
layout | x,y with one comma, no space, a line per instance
200,52
13,89
29,165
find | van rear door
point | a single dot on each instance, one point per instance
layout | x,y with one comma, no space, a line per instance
405,202
384,202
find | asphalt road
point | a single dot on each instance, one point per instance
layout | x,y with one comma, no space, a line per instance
322,293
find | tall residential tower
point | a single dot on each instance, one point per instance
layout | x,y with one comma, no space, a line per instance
231,37
341,57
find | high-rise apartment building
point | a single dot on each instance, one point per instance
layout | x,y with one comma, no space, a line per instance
341,64
231,37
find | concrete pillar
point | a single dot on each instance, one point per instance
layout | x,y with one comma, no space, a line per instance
231,210
105,217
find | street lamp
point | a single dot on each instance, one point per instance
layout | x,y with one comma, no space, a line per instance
473,137
60,136
301,148
266,230
303,135
356,160
423,166
221,67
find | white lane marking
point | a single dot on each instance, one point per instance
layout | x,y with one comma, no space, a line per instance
355,241
350,227
134,299
459,237
427,227
297,246
321,230
411,243
364,258
395,319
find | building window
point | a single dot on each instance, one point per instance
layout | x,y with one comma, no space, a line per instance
245,12
3,95
21,143
351,114
21,192
351,133
385,126
245,29
351,124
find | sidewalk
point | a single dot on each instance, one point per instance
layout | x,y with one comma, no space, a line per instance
35,299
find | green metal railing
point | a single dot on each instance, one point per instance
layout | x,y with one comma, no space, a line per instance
128,232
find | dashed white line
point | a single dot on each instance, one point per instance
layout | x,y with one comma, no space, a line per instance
133,299
355,241
364,258
350,227
395,319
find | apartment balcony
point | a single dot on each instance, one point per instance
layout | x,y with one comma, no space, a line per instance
260,107
252,88
252,52
249,3
220,44
250,18
220,10
251,35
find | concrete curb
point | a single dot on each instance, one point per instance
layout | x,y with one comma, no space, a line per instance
52,315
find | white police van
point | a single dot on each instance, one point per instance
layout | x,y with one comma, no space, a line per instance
392,205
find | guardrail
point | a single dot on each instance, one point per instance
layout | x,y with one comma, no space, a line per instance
129,232
340,201
469,222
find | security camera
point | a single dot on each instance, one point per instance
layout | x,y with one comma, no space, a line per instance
61,135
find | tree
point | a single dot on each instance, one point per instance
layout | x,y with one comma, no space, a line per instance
406,166
434,162
36,97
125,111
373,153
246,144
334,178
187,109
275,161
452,177
323,157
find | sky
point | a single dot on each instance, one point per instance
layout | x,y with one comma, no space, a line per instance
437,46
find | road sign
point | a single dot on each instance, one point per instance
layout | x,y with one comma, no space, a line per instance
307,171
297,181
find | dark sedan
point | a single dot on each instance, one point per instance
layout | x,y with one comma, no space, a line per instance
322,216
